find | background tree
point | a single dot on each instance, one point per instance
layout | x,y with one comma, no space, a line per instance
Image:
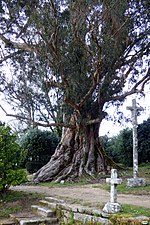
144,141
120,147
92,52
26,92
11,157
40,145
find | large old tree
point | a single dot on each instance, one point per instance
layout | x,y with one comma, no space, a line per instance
87,53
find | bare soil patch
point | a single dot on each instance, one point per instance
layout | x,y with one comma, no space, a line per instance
90,194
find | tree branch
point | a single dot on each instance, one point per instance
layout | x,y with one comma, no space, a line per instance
52,83
10,56
90,122
92,88
36,123
21,46
67,97
134,89
133,43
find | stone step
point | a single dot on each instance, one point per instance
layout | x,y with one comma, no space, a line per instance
27,218
21,215
38,221
43,211
50,205
8,221
69,207
55,200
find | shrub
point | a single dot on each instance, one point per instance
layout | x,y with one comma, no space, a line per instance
40,145
10,158
32,167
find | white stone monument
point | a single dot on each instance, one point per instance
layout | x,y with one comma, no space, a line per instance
113,206
135,181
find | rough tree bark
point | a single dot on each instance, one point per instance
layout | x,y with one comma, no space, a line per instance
78,153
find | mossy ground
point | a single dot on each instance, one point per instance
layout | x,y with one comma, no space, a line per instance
15,201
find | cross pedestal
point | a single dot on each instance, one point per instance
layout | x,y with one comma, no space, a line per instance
113,206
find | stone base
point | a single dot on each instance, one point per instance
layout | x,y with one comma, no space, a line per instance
136,182
112,208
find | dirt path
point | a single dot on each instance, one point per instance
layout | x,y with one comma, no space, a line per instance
86,194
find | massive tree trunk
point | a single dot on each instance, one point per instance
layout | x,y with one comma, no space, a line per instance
78,153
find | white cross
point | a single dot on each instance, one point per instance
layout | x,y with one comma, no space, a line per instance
113,181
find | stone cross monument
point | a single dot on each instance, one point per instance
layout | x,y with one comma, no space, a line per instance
135,181
113,206
134,110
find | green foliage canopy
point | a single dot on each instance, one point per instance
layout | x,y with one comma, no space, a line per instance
11,157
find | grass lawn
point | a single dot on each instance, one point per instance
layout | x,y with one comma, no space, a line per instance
144,172
129,210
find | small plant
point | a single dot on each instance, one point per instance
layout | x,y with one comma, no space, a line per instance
71,220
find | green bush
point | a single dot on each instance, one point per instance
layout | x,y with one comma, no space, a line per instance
32,167
40,145
11,157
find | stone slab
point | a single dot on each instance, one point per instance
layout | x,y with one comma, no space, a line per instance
21,215
85,218
136,182
43,211
51,205
7,222
38,221
55,200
